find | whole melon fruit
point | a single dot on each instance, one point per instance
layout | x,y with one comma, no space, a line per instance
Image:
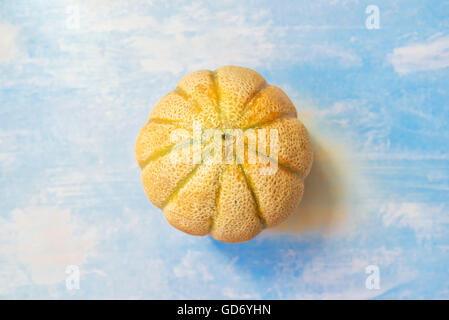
232,201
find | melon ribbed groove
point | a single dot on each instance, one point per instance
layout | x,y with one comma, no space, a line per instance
250,102
166,150
249,184
217,198
280,164
223,167
268,122
181,184
186,97
177,124
184,180
217,93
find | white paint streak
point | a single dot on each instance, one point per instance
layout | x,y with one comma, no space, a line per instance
38,243
8,46
431,55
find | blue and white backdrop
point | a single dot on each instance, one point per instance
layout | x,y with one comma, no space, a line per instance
369,79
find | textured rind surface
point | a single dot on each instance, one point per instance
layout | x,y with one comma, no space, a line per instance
199,87
161,176
236,87
231,202
236,218
155,137
270,103
191,210
278,194
295,150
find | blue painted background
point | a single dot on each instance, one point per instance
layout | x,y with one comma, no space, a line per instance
79,78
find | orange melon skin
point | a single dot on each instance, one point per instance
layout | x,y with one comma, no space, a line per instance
233,202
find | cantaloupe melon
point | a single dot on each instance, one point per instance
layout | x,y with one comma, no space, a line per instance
233,202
